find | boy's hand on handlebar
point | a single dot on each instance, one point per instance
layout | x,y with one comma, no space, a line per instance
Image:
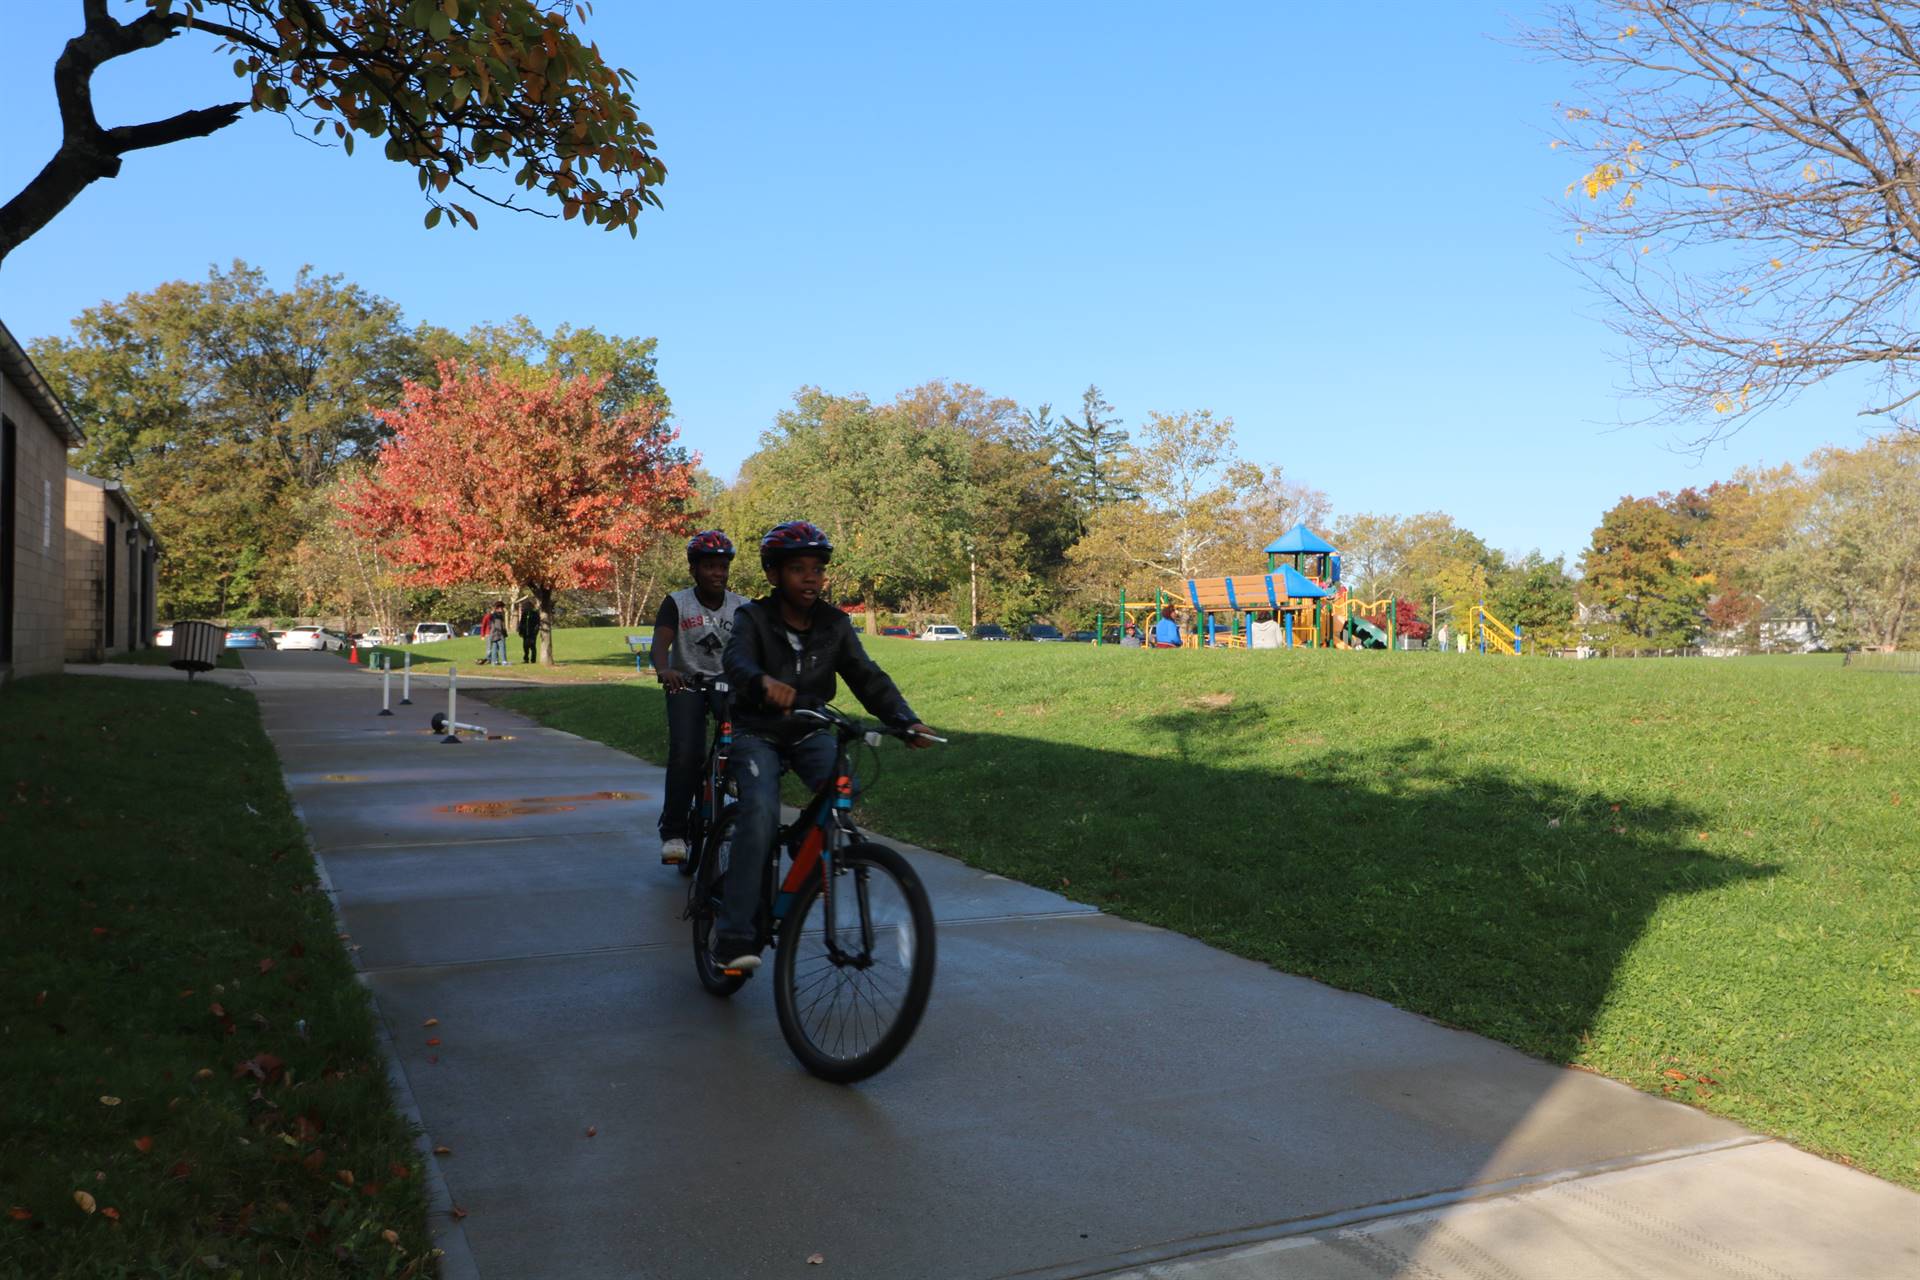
778,694
919,736
673,681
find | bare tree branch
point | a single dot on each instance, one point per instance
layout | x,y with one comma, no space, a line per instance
1749,204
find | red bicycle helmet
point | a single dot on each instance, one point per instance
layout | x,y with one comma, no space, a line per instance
794,538
709,542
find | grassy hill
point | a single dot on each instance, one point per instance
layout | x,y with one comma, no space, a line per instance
1699,877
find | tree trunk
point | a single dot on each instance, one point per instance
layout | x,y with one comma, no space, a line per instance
543,596
973,589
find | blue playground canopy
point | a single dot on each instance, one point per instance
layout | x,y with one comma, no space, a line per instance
1299,540
1300,586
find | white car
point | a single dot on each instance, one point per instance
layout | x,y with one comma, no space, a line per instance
430,632
943,631
315,639
373,639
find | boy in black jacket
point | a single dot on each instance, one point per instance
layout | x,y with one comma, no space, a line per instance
786,646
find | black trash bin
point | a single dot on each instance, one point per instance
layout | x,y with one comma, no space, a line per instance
197,646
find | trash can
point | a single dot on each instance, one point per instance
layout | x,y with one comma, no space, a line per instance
197,646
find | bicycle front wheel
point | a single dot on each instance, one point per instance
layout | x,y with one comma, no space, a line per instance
848,1005
710,856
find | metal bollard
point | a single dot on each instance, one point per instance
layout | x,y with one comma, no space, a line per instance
406,681
386,685
453,704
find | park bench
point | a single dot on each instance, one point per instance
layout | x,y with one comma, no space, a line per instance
640,647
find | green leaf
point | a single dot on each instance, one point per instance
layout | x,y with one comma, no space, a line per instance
433,217
438,27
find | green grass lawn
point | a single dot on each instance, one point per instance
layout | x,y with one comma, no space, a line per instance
185,1047
1699,877
581,655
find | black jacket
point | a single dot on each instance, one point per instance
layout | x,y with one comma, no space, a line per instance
760,648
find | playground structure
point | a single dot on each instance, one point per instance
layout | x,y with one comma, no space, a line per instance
1302,593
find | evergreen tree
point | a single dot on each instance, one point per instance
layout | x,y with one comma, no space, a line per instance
1089,451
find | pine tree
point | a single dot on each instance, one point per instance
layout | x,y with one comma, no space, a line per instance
1088,451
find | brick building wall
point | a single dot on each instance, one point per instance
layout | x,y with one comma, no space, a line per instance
35,433
111,571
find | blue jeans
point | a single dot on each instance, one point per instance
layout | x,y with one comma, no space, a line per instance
497,649
686,757
756,766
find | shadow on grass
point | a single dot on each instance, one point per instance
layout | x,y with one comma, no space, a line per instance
1491,900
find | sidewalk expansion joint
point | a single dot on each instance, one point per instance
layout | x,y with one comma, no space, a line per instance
1220,1242
676,944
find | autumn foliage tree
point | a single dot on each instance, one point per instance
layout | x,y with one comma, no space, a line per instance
484,98
497,479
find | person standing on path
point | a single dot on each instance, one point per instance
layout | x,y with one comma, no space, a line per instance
690,635
529,629
495,629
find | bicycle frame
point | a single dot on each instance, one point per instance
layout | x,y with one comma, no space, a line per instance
713,782
825,827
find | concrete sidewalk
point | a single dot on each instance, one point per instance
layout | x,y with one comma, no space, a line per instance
1087,1096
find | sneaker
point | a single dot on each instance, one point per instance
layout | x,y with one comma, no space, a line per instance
673,852
735,955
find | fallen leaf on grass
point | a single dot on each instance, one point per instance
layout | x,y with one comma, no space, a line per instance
391,1236
264,1067
40,1000
204,1073
400,1172
19,1213
181,1170
314,1161
143,1145
345,1175
110,1212
1672,1073
266,964
85,1200
108,1100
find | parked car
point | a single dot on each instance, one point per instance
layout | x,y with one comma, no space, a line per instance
276,635
313,639
943,631
374,638
432,632
895,631
1080,637
990,631
1044,631
248,638
163,637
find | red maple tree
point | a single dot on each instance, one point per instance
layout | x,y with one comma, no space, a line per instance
492,479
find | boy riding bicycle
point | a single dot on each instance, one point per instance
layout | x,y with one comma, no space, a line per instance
689,636
787,646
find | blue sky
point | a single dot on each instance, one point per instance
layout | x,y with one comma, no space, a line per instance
1331,223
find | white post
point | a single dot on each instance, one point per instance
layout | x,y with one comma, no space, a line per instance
406,681
453,703
386,685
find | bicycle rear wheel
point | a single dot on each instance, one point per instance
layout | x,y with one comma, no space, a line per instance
847,1018
710,856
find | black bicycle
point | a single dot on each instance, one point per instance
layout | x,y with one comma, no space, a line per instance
711,800
849,920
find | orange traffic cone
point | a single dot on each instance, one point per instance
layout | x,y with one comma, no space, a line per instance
353,655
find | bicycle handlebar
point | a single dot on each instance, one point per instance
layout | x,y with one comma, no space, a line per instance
849,728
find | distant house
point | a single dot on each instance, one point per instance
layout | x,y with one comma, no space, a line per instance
112,563
1776,631
35,433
